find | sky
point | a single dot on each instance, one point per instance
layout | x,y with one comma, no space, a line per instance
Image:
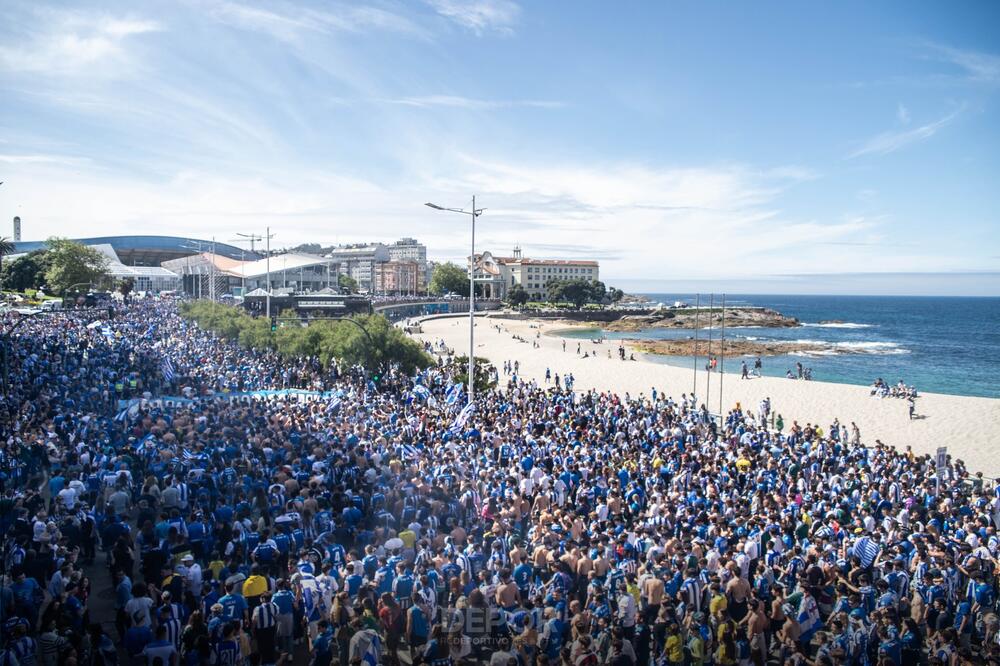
801,146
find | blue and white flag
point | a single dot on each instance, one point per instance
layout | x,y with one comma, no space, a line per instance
167,368
453,394
865,550
421,391
145,444
410,452
462,418
808,617
333,405
366,648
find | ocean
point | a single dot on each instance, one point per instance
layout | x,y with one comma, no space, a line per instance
937,344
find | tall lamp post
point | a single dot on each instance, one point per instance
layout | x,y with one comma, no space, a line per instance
474,212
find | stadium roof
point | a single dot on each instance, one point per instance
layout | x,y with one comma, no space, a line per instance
279,262
150,250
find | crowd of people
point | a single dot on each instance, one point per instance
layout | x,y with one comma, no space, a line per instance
882,389
356,521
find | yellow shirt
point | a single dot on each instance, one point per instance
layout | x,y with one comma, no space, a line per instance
633,589
717,604
675,650
743,464
254,586
216,566
409,538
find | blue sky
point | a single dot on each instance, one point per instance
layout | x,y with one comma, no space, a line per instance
678,143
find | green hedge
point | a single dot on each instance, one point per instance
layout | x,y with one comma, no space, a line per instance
327,340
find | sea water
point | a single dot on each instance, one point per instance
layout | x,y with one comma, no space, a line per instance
937,344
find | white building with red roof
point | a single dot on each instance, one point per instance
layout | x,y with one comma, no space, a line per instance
496,274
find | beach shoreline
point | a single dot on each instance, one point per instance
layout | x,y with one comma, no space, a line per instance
966,425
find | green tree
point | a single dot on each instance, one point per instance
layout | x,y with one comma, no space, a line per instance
517,296
449,277
483,371
577,291
615,294
384,345
26,272
72,264
376,348
347,283
125,287
598,292
255,334
6,247
308,248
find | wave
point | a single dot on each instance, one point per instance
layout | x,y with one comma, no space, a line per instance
838,324
841,348
872,347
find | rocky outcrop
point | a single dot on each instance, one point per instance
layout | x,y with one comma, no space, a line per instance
736,347
692,318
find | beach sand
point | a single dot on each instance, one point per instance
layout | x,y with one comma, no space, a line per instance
968,426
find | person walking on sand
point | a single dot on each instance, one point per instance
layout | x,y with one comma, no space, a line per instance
912,406
746,371
758,367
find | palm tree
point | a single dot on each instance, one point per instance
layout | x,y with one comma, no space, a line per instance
6,247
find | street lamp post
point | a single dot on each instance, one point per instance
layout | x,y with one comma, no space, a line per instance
475,212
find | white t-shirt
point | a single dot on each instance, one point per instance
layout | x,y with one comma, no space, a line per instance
67,497
137,609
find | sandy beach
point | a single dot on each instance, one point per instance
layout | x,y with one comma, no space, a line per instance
968,426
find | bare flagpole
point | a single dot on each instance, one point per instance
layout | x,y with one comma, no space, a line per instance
708,366
697,305
722,354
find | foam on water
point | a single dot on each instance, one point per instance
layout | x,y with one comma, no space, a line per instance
838,324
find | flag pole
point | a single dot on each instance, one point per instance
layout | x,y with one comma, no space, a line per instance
697,306
708,366
722,354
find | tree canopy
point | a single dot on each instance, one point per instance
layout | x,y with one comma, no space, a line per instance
348,283
26,272
449,277
73,264
482,368
517,296
370,341
576,291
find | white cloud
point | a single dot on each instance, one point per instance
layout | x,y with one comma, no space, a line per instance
292,23
888,142
63,42
903,114
978,66
454,101
42,159
480,16
639,220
